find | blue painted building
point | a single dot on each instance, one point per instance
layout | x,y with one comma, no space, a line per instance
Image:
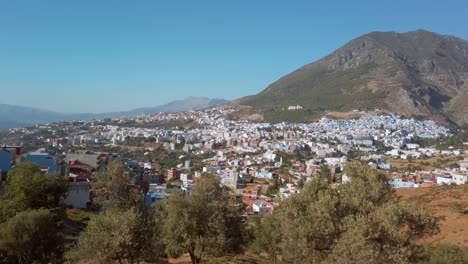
384,166
5,160
154,196
45,160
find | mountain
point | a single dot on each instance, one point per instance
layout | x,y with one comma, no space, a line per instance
187,104
16,116
417,73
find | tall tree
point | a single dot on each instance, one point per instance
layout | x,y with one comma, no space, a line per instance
358,222
116,235
204,222
266,237
116,181
31,236
325,172
26,188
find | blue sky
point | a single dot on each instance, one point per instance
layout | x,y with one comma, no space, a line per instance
97,55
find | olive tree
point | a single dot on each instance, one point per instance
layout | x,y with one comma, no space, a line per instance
358,222
204,222
115,235
31,236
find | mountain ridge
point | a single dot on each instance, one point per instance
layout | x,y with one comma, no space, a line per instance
16,116
418,73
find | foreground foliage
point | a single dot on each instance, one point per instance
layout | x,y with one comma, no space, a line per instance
204,222
30,217
129,235
358,222
26,188
31,236
444,253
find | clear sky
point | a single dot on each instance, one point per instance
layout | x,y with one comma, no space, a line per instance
97,55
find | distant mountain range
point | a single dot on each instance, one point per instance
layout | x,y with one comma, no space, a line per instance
16,116
417,73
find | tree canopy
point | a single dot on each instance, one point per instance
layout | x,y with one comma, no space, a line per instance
358,222
26,188
32,236
129,235
118,191
206,221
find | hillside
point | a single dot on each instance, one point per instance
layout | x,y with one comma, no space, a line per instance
14,116
187,104
417,73
449,204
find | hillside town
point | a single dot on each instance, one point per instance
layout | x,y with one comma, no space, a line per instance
234,132
263,162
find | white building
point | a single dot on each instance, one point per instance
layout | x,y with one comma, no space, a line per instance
443,180
459,179
261,208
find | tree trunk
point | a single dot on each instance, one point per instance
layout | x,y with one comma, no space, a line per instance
194,258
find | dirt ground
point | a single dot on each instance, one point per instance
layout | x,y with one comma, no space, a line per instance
425,164
449,204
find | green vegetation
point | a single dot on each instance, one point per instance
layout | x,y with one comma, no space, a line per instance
401,165
298,116
130,235
78,216
30,229
125,230
318,89
456,141
31,236
205,222
325,172
267,237
444,253
118,190
26,188
358,222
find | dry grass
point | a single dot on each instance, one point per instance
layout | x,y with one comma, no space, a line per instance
449,204
425,164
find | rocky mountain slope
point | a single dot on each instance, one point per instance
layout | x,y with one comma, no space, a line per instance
417,73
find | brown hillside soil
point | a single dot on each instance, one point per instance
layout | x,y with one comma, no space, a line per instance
344,115
449,204
425,164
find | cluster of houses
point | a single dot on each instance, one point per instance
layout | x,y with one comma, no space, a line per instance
80,168
417,179
245,156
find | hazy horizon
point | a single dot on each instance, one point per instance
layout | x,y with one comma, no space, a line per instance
44,107
106,56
